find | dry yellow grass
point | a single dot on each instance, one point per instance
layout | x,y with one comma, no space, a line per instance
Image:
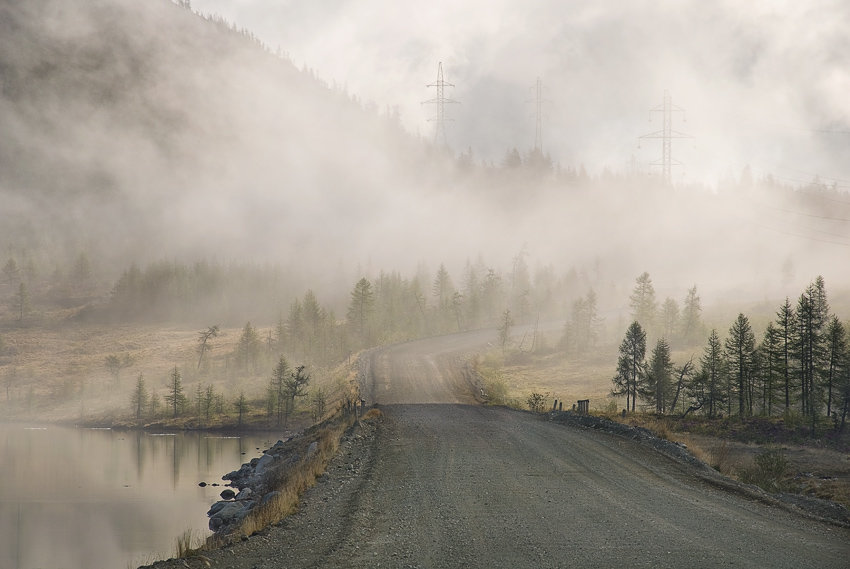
554,375
301,477
57,372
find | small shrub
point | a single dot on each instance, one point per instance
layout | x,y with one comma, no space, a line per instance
660,428
536,402
496,391
792,419
372,414
768,471
720,458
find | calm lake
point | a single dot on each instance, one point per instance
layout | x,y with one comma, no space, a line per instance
96,498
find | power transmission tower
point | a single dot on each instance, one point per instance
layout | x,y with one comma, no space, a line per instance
439,102
666,134
538,123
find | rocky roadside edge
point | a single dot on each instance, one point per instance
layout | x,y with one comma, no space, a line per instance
323,513
814,508
256,482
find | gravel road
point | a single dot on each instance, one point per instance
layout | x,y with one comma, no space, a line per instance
441,482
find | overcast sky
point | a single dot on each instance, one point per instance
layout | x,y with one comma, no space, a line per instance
763,83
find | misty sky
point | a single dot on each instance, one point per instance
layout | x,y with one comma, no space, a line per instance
763,83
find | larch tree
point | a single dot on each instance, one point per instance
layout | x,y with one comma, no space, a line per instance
241,405
504,329
277,389
670,318
642,302
690,321
740,354
812,315
295,386
139,397
656,386
314,317
581,332
836,356
631,365
175,398
295,328
360,310
786,329
11,270
442,289
114,364
249,348
204,344
22,302
708,389
770,366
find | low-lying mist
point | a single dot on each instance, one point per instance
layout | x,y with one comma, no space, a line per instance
137,133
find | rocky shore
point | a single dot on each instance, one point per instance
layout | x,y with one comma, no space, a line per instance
254,484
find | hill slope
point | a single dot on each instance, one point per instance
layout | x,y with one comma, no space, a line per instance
138,129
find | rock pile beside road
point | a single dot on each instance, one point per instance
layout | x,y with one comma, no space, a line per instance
256,482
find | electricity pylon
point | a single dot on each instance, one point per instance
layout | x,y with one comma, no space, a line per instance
538,123
439,102
666,134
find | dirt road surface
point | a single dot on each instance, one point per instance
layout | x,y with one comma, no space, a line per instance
442,482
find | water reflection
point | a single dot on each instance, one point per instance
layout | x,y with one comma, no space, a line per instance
86,499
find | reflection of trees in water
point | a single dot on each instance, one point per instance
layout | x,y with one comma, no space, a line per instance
117,481
139,439
211,451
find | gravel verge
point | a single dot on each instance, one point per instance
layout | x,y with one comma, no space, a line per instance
814,508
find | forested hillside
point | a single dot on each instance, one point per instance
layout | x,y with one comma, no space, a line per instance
143,133
137,130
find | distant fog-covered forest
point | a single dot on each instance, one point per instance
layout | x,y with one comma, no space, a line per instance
139,133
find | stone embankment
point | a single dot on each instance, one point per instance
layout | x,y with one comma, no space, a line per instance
255,482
